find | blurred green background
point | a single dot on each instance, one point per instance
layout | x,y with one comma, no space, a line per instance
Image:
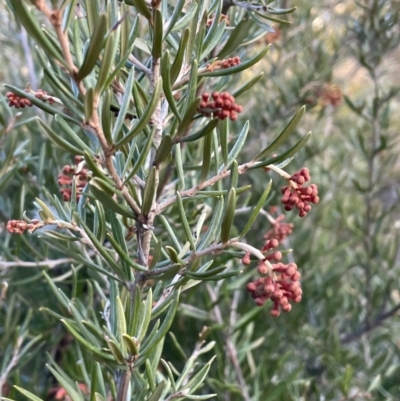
342,342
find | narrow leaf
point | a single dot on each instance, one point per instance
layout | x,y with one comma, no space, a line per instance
156,396
29,22
177,64
187,118
233,154
248,85
27,394
206,163
89,104
167,86
199,134
149,192
145,117
229,215
185,222
130,344
107,60
282,137
214,226
256,210
125,103
95,47
143,155
163,151
236,37
286,155
85,343
108,201
157,34
141,7
72,134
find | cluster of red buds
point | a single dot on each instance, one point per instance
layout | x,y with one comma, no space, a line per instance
70,173
221,106
279,282
18,102
272,37
21,102
58,393
280,230
330,94
323,94
20,226
222,64
299,196
280,286
221,18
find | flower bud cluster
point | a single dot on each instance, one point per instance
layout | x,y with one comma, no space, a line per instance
20,226
330,94
296,195
272,37
281,286
221,18
279,282
279,230
20,102
273,255
222,105
222,64
58,393
70,173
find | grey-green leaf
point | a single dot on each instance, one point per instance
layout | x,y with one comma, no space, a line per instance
283,136
95,47
228,216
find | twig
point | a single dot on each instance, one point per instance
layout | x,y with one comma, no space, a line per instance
230,346
124,381
177,85
44,263
193,191
250,6
178,395
55,18
370,326
139,64
146,222
95,124
13,362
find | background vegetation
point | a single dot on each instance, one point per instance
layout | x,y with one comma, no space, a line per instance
342,341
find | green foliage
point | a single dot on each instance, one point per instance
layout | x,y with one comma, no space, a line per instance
132,272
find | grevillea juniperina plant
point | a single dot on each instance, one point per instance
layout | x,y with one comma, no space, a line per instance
149,203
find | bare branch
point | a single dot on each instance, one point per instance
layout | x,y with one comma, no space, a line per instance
370,326
43,263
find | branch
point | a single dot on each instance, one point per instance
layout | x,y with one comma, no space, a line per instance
139,64
13,362
55,17
44,263
370,326
229,343
95,124
144,232
250,6
193,191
